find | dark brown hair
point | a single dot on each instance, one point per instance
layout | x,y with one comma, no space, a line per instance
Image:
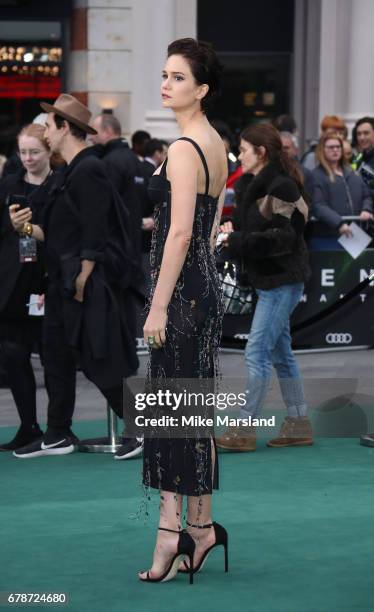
204,65
75,131
267,136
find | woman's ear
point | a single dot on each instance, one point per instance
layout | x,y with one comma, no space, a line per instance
202,91
261,151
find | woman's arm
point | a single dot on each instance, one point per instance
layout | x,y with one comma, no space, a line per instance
273,242
322,210
183,175
289,214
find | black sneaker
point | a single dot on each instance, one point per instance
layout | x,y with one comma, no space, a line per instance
25,435
60,445
131,447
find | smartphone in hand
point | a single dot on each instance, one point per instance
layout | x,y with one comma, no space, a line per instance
21,200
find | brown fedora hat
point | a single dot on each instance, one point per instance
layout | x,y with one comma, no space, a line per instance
72,110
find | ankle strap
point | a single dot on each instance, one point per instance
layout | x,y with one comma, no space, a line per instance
171,530
200,526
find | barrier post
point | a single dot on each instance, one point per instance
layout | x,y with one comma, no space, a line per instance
108,444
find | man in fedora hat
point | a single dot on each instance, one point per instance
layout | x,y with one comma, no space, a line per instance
87,314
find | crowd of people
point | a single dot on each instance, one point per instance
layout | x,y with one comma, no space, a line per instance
36,175
90,225
338,174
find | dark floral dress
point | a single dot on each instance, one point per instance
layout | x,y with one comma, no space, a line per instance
184,464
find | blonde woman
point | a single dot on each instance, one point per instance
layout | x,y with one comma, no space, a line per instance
339,191
18,330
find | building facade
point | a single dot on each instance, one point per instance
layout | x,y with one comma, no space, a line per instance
118,62
117,54
304,57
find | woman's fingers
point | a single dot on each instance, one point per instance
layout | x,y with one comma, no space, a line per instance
13,210
158,339
154,338
21,215
163,336
226,227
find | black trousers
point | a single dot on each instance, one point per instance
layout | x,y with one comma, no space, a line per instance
60,362
21,379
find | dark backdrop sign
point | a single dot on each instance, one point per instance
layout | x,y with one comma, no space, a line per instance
334,273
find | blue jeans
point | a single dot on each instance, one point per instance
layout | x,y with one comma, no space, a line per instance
269,344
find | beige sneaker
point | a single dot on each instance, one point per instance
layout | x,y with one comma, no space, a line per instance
238,439
295,431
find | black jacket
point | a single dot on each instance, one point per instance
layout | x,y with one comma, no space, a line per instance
331,201
365,167
101,328
148,206
124,171
18,280
269,224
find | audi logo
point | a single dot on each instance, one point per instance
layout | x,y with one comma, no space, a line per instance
339,338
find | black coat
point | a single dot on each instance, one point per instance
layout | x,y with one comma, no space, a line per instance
365,167
269,225
124,171
331,201
148,206
77,227
26,277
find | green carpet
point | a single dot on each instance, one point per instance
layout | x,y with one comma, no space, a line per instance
300,523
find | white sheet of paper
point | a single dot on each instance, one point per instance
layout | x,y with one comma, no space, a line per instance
34,311
357,243
220,238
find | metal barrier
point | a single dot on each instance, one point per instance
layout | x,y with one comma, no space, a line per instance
335,303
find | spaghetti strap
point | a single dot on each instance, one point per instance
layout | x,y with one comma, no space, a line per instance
202,157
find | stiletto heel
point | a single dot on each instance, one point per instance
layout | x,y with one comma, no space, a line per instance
186,547
221,540
191,568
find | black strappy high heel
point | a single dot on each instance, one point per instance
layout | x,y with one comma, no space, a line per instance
222,539
186,547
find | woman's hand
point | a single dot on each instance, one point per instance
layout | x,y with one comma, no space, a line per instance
148,224
345,230
365,215
226,227
18,218
155,326
41,300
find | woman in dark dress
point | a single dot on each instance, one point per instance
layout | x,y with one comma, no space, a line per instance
18,330
183,327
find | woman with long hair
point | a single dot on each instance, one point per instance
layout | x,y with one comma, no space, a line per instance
339,191
183,326
20,279
267,236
